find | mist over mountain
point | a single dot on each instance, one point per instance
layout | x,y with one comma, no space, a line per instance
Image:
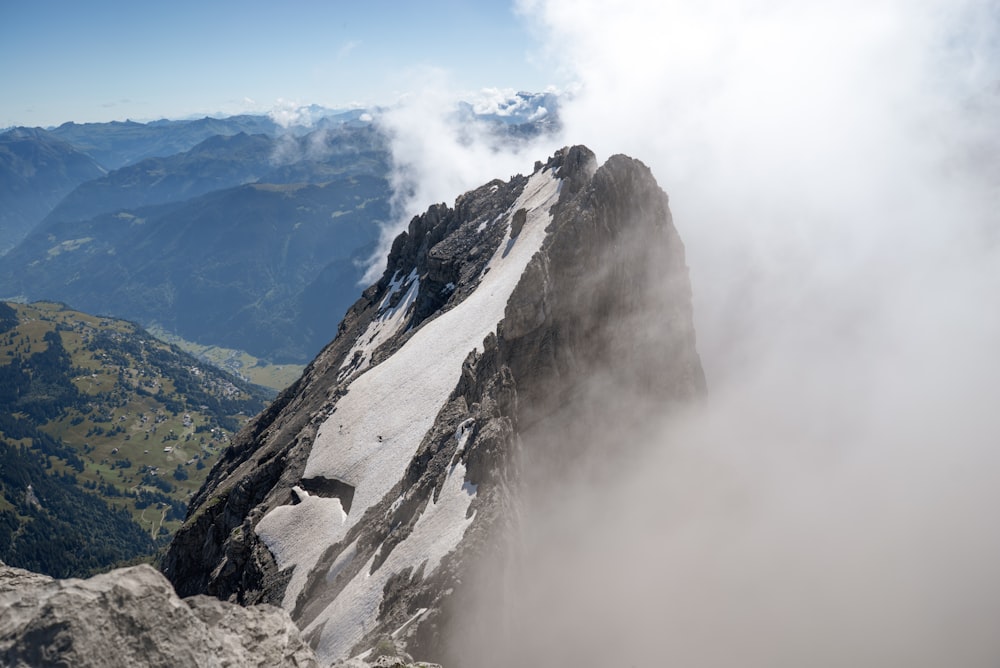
119,143
37,169
531,474
375,487
524,115
224,161
368,497
241,232
228,267
221,161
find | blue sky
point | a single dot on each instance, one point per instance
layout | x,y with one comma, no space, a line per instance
100,61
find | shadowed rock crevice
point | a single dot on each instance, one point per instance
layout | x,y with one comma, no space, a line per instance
330,488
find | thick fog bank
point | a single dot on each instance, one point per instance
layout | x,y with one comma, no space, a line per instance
833,171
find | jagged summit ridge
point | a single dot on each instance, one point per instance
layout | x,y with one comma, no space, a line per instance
363,494
377,427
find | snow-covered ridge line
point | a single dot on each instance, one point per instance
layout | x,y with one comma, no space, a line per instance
376,428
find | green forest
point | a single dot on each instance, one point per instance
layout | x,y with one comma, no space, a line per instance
105,433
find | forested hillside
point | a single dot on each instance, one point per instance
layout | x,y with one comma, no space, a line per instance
105,432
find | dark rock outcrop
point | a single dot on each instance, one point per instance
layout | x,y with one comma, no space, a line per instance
594,328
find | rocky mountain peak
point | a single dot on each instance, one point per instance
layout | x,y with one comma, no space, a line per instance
506,337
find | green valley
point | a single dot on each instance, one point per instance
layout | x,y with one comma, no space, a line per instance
100,419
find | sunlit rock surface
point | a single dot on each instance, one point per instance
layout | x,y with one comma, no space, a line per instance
132,617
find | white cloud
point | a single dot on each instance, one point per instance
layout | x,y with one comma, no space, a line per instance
347,48
437,156
492,100
285,113
833,171
290,114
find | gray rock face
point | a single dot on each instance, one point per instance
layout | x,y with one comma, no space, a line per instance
597,324
132,617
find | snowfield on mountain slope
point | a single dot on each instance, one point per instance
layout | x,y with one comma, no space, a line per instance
376,428
385,326
300,533
437,531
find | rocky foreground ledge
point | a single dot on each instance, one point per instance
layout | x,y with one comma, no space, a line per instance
131,617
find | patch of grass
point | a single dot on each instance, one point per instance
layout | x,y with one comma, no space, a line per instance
136,409
251,369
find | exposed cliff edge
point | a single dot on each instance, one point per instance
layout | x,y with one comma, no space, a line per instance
503,330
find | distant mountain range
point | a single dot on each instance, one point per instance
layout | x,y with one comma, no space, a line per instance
237,232
117,144
221,161
37,169
234,266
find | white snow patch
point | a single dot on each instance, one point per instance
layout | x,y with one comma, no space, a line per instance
384,326
436,532
376,428
395,284
394,506
417,615
482,225
297,535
